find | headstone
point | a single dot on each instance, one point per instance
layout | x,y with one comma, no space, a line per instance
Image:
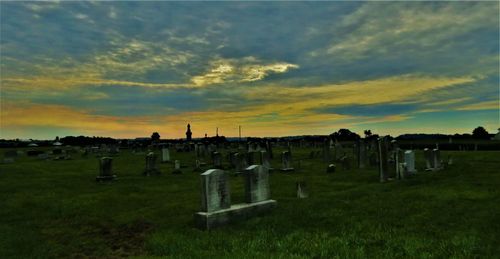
409,160
177,167
217,160
302,191
256,184
240,162
165,155
105,169
436,157
215,191
269,149
361,154
330,168
428,159
383,166
346,164
197,166
450,160
151,164
402,171
264,160
286,161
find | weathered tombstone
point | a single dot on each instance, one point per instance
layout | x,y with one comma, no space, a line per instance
217,160
330,168
339,151
151,165
215,191
410,161
428,159
269,149
450,160
256,184
402,171
264,160
346,164
177,167
383,166
165,155
240,163
197,166
361,154
286,161
105,169
436,158
302,191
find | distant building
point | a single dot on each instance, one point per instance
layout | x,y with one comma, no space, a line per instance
188,133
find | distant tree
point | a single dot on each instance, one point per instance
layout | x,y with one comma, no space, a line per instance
344,135
57,138
368,133
480,133
155,137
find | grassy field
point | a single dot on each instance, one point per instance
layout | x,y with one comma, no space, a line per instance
54,209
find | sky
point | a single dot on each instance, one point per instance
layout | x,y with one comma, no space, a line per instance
127,69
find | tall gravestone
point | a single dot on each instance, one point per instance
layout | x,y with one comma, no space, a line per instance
151,164
240,163
269,149
215,193
165,155
217,160
436,159
410,161
428,159
256,184
105,169
383,166
361,154
286,161
264,160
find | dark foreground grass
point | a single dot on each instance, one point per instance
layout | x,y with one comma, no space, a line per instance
54,209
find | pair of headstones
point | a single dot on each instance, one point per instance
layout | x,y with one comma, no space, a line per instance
216,208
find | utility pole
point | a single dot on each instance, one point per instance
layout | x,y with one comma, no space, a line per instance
240,132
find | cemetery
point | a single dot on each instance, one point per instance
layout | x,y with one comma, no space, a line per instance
235,205
249,129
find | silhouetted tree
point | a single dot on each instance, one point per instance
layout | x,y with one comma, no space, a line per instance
155,137
344,135
480,133
368,133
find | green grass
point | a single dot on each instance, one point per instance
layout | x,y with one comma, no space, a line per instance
54,209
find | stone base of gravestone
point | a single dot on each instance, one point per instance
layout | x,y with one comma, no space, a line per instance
105,178
238,212
290,169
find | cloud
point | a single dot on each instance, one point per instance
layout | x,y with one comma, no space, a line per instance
488,105
247,69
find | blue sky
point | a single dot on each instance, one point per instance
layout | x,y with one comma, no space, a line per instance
126,69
